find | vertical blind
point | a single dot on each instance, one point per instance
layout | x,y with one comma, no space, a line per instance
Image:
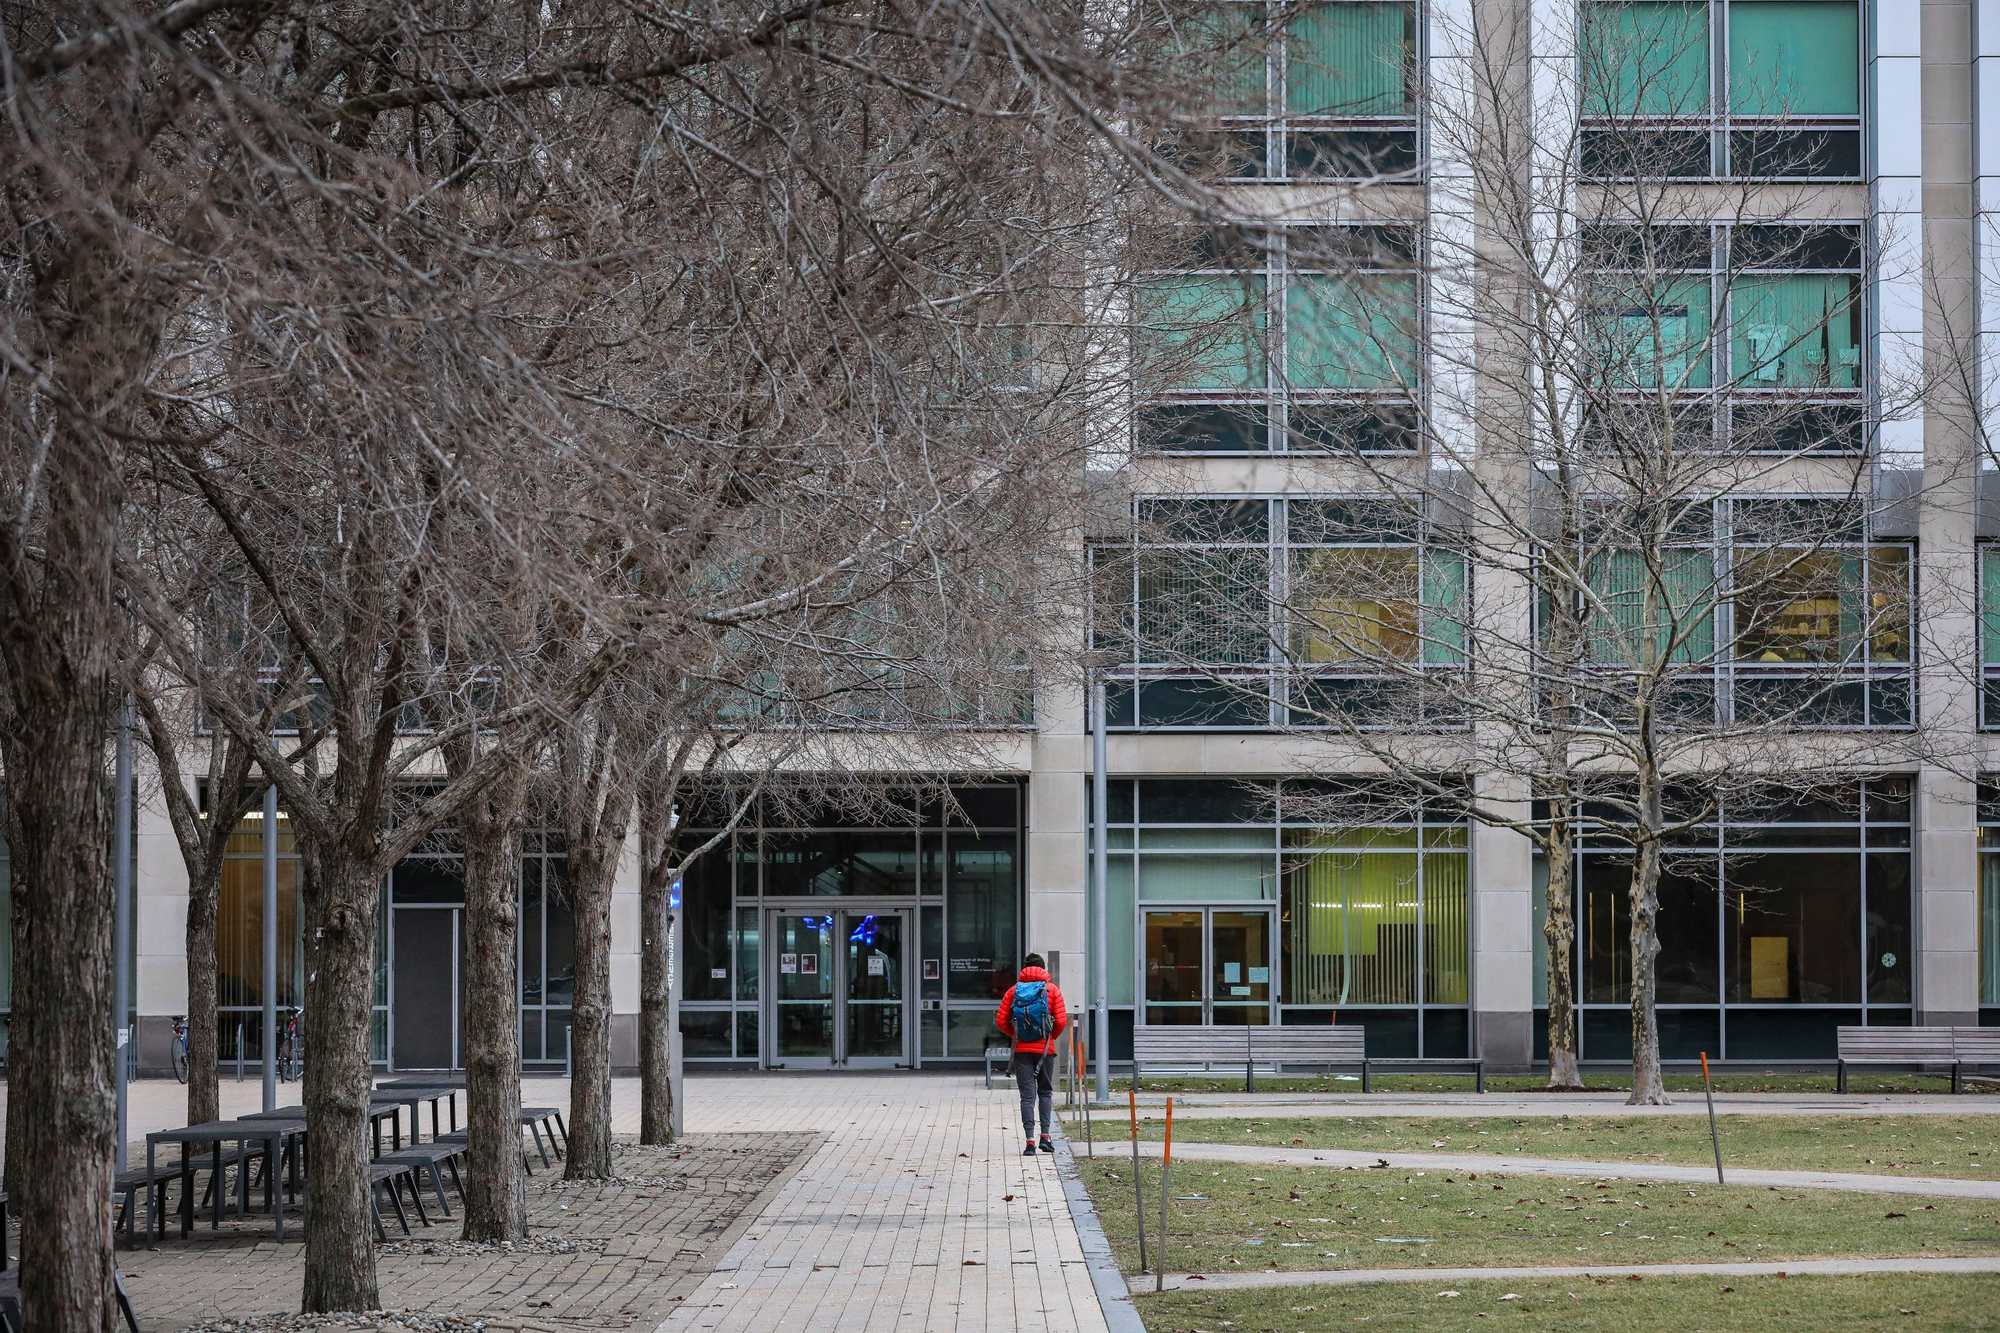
1647,58
1801,331
1352,332
1619,628
1349,59
1795,57
1989,929
1357,929
1989,605
1211,326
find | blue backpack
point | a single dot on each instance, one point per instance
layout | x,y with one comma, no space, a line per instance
1031,1011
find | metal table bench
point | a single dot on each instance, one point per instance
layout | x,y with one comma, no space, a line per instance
271,1134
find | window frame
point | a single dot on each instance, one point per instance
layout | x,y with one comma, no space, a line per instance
1721,124
1286,408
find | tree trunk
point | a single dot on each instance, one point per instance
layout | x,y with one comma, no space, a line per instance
656,1087
340,954
60,645
17,926
204,890
63,1078
1648,1087
591,866
1559,929
496,1200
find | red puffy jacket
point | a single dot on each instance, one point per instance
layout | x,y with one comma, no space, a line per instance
1058,1014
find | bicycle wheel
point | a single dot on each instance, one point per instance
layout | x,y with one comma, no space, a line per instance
180,1062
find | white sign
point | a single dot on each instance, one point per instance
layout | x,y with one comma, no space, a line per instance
878,966
788,963
718,973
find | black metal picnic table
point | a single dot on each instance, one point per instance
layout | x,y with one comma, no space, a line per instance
379,1110
271,1132
412,1092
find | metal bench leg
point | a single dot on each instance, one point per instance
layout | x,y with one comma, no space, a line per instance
375,1211
536,1130
456,1183
565,1135
1954,1080
1840,1076
124,1302
416,1196
1366,1085
402,1218
437,1182
1479,1079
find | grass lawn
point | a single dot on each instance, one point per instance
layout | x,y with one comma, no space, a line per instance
1908,1145
1226,1216
1609,1080
1595,1305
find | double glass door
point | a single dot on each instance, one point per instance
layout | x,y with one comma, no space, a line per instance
843,986
1208,965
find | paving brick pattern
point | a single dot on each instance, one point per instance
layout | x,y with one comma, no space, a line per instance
641,1248
915,1211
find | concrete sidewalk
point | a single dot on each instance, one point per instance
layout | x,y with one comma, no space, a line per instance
1444,1277
1558,1166
1469,1105
916,1211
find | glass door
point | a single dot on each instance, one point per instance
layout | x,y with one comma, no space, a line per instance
1208,965
843,989
874,991
803,1002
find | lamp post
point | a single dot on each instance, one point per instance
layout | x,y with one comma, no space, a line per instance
270,948
1100,954
121,918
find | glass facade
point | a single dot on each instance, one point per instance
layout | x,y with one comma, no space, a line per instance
1311,91
1778,922
1246,613
1989,897
1232,901
1759,327
1299,338
958,876
1721,88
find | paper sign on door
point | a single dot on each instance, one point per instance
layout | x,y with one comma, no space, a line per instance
878,966
788,963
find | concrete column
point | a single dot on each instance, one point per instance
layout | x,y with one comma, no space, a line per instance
625,958
1985,92
1450,229
1949,280
159,923
1503,931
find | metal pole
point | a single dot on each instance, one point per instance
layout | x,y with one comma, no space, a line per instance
1138,1188
1714,1135
121,918
1100,818
270,948
1166,1166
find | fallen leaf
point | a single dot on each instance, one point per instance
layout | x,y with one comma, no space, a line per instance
1511,1296
1447,1293
1887,1216
969,1263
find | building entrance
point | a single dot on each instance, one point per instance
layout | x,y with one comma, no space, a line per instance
843,987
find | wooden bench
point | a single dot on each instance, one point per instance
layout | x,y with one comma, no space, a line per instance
1977,1049
1248,1047
1919,1049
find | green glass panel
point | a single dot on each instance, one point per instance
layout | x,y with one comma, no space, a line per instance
1210,326
1647,58
1622,631
1444,607
1539,900
1351,332
1221,45
1119,927
1797,332
1989,606
1795,57
1207,878
1989,929
1349,60
1649,338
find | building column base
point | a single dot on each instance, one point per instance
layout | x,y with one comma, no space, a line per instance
1506,1040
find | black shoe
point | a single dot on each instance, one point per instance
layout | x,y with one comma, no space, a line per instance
1029,1151
1048,1145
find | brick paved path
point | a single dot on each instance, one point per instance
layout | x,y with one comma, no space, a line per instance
900,1219
641,1247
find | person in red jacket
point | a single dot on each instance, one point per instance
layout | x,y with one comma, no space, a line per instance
1033,1015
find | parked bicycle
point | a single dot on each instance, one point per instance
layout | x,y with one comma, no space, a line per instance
181,1047
292,1047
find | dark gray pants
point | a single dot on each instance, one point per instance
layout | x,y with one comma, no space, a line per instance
1038,1087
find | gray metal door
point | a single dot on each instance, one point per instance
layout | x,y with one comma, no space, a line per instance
425,1000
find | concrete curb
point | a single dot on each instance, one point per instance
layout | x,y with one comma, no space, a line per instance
1113,1297
1354,1277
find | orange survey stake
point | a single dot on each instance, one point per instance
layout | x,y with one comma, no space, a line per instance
1167,1150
